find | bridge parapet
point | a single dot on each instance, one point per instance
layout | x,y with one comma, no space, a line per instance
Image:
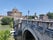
39,26
43,29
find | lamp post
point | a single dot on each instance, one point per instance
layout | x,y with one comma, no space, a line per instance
28,16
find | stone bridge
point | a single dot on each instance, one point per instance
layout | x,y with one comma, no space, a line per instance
36,29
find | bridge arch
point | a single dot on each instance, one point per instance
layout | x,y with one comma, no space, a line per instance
28,34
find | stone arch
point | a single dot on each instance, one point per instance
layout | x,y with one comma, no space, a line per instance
27,33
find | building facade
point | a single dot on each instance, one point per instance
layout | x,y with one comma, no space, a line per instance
43,17
15,13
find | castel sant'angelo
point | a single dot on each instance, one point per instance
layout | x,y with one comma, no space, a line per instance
14,13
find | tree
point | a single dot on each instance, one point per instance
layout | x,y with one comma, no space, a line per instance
50,15
6,20
30,17
4,35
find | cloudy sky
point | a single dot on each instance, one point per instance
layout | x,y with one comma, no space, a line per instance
38,6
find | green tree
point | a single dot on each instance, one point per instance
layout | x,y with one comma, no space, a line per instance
4,35
50,15
30,17
6,20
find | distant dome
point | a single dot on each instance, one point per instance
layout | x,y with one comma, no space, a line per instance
15,10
